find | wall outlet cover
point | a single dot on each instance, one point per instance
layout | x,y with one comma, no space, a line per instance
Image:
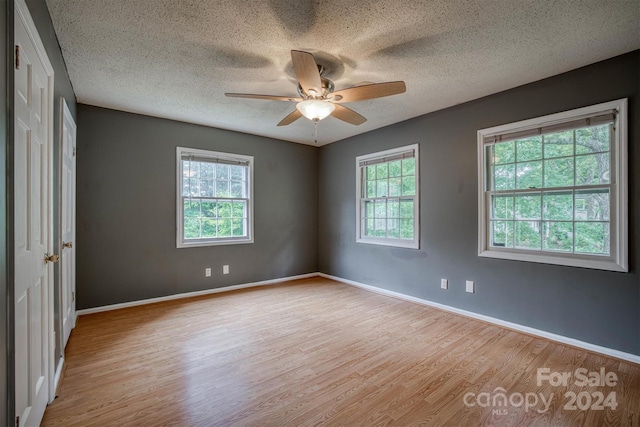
470,286
444,283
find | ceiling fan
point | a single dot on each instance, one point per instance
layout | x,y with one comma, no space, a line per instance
317,99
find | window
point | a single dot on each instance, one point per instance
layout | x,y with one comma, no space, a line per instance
214,198
388,198
554,189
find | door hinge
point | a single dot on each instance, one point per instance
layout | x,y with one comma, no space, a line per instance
17,57
74,151
18,421
73,297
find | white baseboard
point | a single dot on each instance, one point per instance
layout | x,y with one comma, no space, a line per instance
629,357
192,294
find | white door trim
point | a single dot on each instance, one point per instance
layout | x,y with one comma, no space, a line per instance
23,12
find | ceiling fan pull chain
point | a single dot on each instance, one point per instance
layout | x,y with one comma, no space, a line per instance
315,132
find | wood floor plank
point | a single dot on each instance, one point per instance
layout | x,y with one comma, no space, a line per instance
317,352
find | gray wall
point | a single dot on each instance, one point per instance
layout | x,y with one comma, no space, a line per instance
590,305
6,362
127,210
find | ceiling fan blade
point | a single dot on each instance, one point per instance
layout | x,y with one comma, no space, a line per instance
270,97
295,115
371,91
307,72
348,115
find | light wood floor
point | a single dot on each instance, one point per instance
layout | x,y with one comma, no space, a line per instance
317,352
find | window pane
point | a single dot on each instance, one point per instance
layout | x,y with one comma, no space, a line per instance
191,208
406,209
558,236
592,205
558,206
191,228
381,171
592,169
371,173
406,229
528,234
222,189
206,171
368,209
381,228
395,168
237,225
528,206
224,228
222,171
237,189
504,152
592,238
381,209
504,177
502,207
409,167
529,149
224,209
395,186
382,188
529,175
238,210
209,209
190,169
502,234
558,173
371,189
369,227
409,186
393,228
208,227
393,208
558,144
593,139
238,173
192,187
206,188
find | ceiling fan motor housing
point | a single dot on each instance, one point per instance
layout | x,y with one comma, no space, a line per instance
327,88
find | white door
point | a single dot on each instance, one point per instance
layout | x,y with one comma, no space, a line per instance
68,223
33,292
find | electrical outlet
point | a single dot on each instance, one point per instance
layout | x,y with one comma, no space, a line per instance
444,283
471,286
207,272
225,269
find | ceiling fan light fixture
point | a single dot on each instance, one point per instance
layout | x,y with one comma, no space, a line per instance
315,109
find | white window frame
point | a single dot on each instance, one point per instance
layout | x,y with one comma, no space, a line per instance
180,240
401,243
618,251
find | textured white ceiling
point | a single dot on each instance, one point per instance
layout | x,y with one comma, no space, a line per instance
176,59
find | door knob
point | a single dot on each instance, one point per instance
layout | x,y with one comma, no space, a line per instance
51,258
67,244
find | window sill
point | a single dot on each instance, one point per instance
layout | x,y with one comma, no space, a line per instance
597,263
198,244
393,243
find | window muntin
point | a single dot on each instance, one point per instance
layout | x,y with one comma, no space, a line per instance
388,197
214,198
554,189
